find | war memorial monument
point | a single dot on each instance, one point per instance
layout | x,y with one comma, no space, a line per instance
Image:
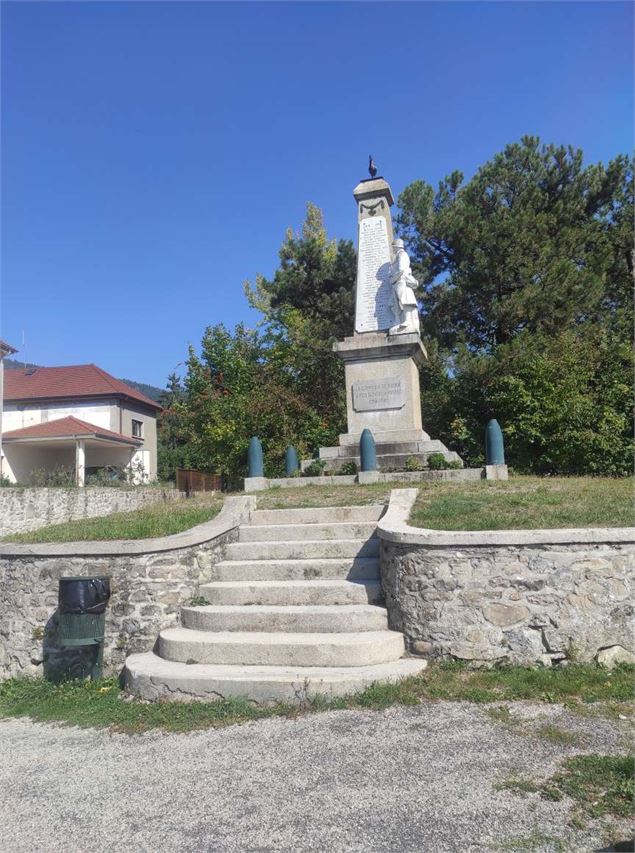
382,357
381,370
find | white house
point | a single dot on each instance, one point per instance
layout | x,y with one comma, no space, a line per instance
77,416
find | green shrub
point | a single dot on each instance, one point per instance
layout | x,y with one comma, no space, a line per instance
437,462
60,476
315,469
109,475
413,463
348,468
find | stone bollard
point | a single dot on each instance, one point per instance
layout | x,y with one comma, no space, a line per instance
291,463
255,466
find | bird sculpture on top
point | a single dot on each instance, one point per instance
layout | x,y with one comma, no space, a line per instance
372,169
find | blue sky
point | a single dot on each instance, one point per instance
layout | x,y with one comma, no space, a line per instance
153,154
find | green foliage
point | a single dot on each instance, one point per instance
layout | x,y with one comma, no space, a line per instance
413,463
525,503
314,468
99,703
436,462
526,304
160,519
599,784
534,241
282,382
61,476
348,468
242,384
112,476
527,274
564,401
173,448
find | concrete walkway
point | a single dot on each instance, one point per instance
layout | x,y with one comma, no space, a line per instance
407,779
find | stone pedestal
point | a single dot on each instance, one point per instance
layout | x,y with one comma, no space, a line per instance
382,386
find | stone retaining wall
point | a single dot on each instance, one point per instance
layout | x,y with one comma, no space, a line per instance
151,579
24,509
523,597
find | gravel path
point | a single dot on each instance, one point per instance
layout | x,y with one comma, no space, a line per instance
407,779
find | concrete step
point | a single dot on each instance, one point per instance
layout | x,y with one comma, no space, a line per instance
328,591
293,532
351,451
317,515
303,550
398,460
394,461
270,570
385,437
249,648
309,619
150,677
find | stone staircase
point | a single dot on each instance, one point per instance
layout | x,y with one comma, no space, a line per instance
392,455
294,611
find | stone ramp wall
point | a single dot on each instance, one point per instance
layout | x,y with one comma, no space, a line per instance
524,605
24,509
150,580
521,597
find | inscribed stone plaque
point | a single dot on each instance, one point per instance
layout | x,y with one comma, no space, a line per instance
373,307
372,395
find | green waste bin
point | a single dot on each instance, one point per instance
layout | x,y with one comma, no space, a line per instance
82,614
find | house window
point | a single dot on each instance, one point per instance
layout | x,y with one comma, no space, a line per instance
137,429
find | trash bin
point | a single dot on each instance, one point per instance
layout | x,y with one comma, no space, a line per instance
82,614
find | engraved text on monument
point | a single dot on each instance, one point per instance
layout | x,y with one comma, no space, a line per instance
372,395
373,309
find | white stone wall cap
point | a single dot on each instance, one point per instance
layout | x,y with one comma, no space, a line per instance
394,527
235,511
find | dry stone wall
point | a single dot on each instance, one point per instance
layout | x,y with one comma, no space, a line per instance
522,597
523,605
148,589
24,509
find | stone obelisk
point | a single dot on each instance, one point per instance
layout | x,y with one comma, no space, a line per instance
383,355
382,377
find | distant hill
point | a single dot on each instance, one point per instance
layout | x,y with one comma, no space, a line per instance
150,391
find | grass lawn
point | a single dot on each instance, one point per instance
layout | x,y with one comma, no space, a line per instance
160,519
100,703
599,784
521,502
526,503
309,496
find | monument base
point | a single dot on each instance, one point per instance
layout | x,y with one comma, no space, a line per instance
382,395
382,383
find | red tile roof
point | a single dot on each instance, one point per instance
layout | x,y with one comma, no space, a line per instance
80,380
67,428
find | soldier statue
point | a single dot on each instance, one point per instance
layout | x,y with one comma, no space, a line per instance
404,283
